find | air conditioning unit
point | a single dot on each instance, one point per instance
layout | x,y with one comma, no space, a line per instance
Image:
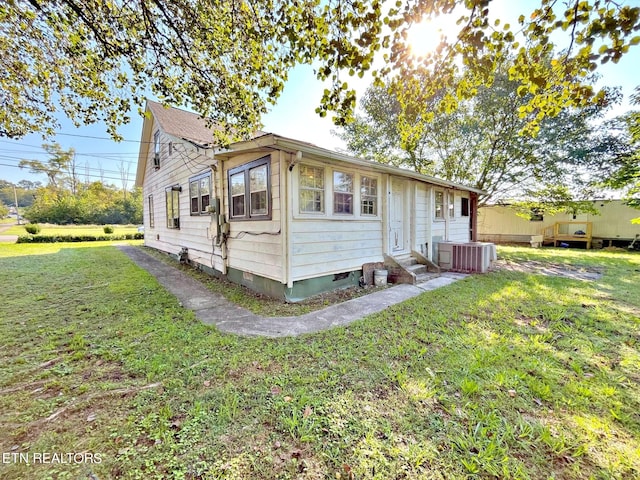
474,257
156,161
175,222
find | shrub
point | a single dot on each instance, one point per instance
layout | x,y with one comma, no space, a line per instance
108,229
32,228
78,238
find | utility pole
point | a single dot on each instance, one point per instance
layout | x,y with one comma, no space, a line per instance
15,197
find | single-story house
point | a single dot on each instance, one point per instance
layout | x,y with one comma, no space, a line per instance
288,218
612,226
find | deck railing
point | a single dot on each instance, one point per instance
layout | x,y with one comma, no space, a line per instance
568,232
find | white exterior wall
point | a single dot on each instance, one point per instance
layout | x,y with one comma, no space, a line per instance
256,246
326,243
291,245
423,216
195,233
449,229
322,247
459,226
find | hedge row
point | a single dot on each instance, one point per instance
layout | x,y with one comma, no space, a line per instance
77,238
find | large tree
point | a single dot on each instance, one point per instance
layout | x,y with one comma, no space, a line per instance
94,59
481,143
59,168
625,173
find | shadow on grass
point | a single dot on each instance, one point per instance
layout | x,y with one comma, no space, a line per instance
504,375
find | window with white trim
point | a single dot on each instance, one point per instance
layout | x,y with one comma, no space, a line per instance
368,196
464,207
156,143
342,193
173,206
311,189
439,205
152,222
451,205
156,150
200,193
250,191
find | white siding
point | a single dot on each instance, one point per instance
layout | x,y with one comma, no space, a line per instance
322,247
313,245
423,217
195,232
255,246
459,226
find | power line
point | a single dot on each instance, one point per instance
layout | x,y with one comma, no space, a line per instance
106,154
99,138
45,169
112,158
89,175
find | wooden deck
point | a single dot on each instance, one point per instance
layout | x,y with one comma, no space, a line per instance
566,232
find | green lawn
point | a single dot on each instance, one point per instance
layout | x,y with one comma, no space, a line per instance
48,229
504,375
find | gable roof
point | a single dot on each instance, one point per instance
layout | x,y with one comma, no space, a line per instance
182,124
179,123
193,128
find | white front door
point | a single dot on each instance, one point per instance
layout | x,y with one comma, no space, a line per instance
397,217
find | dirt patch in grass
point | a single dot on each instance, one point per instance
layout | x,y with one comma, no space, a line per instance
551,269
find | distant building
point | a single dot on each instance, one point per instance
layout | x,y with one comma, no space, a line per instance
500,224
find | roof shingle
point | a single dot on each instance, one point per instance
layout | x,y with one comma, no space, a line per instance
183,124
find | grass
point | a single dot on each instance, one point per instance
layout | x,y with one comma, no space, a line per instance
49,229
504,375
258,303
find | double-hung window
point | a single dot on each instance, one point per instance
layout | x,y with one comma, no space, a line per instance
172,195
152,222
464,207
156,150
250,191
342,193
439,205
200,193
451,205
311,189
368,196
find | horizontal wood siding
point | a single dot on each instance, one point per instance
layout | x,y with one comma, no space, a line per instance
423,216
256,246
176,168
459,226
321,247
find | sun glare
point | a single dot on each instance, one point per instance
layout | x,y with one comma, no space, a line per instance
424,37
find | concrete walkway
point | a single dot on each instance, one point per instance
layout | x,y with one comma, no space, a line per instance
213,309
7,238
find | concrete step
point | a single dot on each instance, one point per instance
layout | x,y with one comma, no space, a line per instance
425,277
417,269
406,261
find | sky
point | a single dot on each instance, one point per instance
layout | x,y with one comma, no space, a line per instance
100,158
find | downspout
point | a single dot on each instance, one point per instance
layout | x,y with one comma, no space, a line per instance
474,216
220,191
288,216
430,216
445,207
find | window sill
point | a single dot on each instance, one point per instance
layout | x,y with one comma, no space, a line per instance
335,217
